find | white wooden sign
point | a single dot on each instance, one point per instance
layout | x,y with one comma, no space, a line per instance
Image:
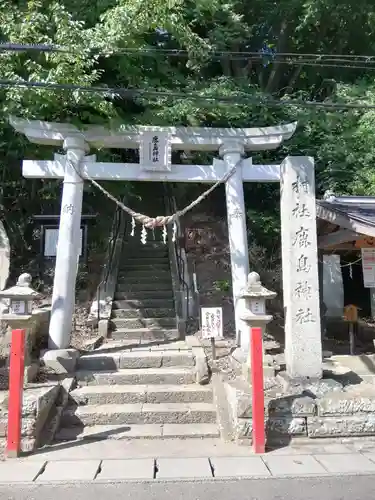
212,322
155,151
368,267
50,242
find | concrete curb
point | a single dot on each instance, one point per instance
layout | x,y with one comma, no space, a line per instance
203,469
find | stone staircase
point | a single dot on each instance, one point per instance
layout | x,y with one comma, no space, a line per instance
142,383
144,305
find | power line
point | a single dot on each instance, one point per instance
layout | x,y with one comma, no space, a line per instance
19,47
347,61
236,100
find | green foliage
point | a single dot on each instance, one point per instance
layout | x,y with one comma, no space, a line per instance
222,285
341,142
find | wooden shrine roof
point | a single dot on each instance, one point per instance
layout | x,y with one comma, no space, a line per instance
344,222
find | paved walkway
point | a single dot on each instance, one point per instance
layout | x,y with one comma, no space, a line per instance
186,460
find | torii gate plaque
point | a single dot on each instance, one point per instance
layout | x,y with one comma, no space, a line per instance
75,166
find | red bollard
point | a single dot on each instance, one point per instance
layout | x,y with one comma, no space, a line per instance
256,350
16,377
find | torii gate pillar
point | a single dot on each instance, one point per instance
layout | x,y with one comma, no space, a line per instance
63,297
232,153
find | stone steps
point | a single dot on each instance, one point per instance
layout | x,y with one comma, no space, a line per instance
144,376
145,334
133,394
144,295
151,275
143,265
154,312
124,279
140,305
143,286
146,431
150,253
135,359
147,413
137,323
144,259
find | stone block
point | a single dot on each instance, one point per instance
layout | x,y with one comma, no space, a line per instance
201,366
346,426
180,359
183,468
243,429
131,469
296,405
363,364
313,388
239,398
69,471
293,465
136,360
27,428
60,361
103,327
37,407
230,467
346,463
190,431
321,387
185,394
99,361
346,403
20,471
276,427
268,371
31,372
167,376
286,426
37,401
94,343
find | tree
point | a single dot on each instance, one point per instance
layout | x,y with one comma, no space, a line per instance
123,43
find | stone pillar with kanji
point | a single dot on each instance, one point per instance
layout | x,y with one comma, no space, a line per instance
303,345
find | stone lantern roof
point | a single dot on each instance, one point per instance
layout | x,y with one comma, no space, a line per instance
22,290
255,289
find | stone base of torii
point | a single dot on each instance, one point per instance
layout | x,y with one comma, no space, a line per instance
303,349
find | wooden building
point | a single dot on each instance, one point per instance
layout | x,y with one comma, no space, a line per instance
346,225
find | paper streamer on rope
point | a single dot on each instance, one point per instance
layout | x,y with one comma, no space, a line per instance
144,235
174,233
164,234
133,227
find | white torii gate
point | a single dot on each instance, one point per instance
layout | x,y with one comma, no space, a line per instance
230,143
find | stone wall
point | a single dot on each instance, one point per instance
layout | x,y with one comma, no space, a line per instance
38,406
324,409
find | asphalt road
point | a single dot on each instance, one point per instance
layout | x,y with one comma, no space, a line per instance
317,488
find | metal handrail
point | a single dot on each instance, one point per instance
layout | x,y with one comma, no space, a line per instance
183,285
110,251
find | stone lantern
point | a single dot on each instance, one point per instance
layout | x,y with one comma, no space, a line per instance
21,297
18,316
255,296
